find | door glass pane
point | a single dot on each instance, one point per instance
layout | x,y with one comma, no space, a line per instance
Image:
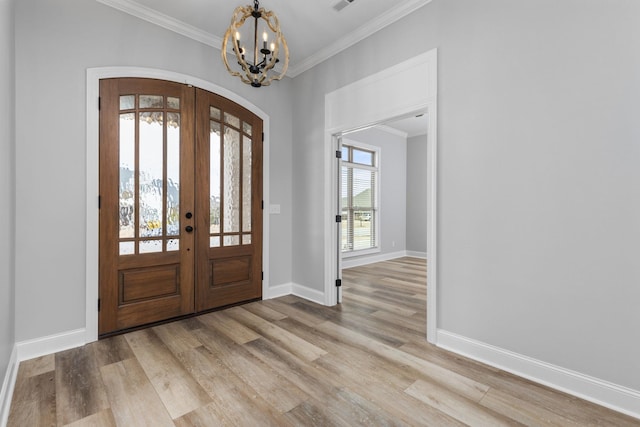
214,113
151,101
127,175
173,103
246,239
214,242
127,248
173,244
231,181
246,128
173,174
232,120
150,179
127,102
214,177
150,246
246,184
231,240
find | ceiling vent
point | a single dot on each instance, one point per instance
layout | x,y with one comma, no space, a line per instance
341,5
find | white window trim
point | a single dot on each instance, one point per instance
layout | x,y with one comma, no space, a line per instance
378,161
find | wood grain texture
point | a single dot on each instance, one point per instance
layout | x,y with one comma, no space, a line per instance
290,362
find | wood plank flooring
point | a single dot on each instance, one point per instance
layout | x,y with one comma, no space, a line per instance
290,362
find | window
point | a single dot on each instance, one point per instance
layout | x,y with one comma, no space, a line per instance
359,199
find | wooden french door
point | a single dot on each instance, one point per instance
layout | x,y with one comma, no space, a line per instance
180,202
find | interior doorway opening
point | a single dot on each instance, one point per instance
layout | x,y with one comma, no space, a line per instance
372,175
400,90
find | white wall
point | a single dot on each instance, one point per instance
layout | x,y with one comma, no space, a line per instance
417,194
7,185
55,43
393,188
539,203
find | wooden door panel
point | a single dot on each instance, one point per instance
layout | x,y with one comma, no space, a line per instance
229,271
146,188
140,284
228,203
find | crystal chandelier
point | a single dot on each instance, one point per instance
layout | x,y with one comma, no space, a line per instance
256,66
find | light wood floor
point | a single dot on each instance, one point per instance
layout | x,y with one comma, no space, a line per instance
289,362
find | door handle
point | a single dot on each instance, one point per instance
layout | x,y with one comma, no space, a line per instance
188,229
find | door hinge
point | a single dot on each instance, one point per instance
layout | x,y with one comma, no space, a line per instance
338,218
338,154
262,275
98,304
99,103
338,283
99,202
262,136
262,205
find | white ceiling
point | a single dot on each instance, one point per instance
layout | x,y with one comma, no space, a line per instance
313,29
412,126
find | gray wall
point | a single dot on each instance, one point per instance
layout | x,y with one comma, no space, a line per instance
417,194
55,43
539,203
393,187
7,185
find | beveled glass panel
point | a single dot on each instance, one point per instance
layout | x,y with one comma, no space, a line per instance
151,101
173,174
246,239
173,103
231,181
150,177
231,120
214,113
247,128
127,102
173,244
246,184
127,153
127,248
150,246
214,177
214,241
231,240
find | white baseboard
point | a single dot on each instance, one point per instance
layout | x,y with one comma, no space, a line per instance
416,254
370,259
278,291
50,344
6,393
604,393
307,293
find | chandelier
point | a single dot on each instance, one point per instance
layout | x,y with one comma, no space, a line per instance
256,66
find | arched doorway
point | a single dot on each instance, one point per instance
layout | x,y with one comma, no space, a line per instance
180,202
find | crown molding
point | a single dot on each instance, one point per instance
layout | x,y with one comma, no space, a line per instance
357,35
165,21
148,14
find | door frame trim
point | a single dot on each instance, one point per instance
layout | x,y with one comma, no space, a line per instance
94,75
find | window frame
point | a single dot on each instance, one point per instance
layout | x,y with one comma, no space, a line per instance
376,209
